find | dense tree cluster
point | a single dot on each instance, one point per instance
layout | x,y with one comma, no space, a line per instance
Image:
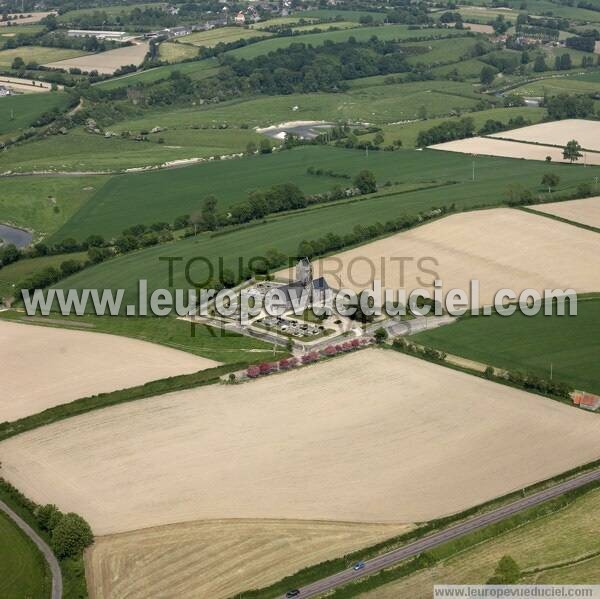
446,131
566,106
69,533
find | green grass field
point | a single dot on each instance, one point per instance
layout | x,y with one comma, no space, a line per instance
558,538
196,70
222,346
125,200
222,35
582,84
362,34
36,54
15,273
80,151
408,132
113,11
19,112
285,232
325,26
368,100
23,571
469,69
43,204
443,51
530,344
277,21
176,52
345,15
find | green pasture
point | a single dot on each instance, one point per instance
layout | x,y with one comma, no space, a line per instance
20,111
367,101
112,11
408,132
176,52
37,54
325,26
494,177
23,570
43,204
196,70
443,51
219,345
79,151
17,272
469,69
341,15
361,34
277,21
570,345
222,35
583,84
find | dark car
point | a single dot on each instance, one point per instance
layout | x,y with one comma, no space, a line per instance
293,593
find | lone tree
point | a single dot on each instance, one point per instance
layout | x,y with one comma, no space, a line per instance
380,335
550,180
572,151
507,572
365,181
487,75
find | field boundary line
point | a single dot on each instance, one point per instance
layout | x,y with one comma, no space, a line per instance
561,219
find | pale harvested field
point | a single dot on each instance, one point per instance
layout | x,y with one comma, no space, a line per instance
586,211
375,436
218,558
25,18
558,133
510,149
502,248
479,28
43,367
106,62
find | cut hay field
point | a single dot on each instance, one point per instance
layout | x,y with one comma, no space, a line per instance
46,366
222,35
530,344
325,26
210,453
559,538
362,34
79,151
44,204
175,52
128,199
585,211
104,62
558,133
490,146
20,112
38,54
236,555
23,571
502,248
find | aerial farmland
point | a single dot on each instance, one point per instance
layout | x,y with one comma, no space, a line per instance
202,395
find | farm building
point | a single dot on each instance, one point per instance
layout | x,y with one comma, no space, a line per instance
240,18
117,36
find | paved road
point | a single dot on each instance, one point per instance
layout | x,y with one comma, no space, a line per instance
57,587
391,558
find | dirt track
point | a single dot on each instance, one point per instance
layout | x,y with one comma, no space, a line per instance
375,436
43,367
